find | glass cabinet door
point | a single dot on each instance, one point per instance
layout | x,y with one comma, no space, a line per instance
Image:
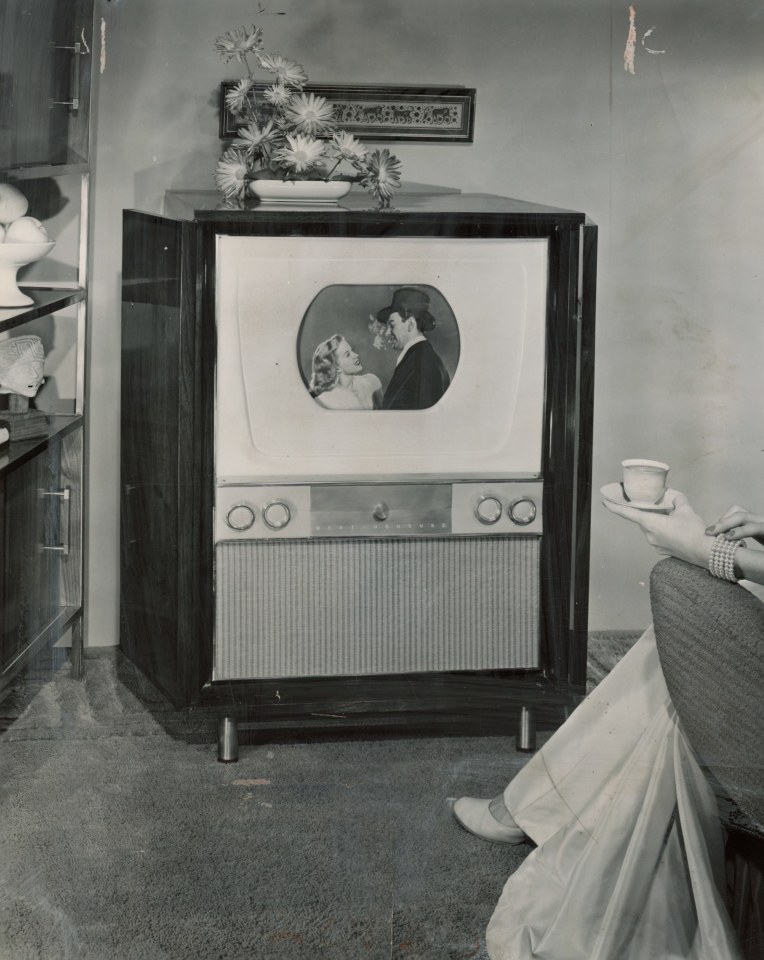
46,53
35,521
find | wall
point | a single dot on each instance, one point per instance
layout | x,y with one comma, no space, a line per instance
667,160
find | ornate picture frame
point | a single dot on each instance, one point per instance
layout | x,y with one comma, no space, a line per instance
386,113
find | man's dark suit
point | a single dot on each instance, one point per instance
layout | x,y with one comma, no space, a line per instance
419,380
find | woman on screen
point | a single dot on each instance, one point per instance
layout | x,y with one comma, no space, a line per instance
338,381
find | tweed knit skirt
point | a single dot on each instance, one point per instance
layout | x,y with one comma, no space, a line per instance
629,863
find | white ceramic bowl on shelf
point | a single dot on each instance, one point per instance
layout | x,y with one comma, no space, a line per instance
12,257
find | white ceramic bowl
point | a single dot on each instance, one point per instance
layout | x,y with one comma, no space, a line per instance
299,191
12,257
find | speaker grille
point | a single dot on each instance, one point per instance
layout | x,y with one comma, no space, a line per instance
313,608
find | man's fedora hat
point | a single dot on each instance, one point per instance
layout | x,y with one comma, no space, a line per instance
410,299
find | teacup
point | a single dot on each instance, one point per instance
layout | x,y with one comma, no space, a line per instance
644,481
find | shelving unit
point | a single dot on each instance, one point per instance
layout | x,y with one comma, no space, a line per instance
46,54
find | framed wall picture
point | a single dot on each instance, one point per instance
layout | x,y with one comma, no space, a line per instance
386,113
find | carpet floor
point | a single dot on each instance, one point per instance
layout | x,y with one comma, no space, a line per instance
123,839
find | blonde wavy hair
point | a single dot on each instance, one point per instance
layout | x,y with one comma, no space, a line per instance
324,369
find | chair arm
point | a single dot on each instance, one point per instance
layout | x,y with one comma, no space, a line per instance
710,637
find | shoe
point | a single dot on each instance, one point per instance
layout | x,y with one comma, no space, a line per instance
475,816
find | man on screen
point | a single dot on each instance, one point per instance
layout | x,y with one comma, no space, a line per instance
420,379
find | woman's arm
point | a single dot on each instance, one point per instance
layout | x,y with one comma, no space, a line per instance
684,534
681,533
749,565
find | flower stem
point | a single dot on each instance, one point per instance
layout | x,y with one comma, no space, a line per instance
334,168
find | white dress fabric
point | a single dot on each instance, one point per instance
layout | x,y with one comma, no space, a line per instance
358,395
630,860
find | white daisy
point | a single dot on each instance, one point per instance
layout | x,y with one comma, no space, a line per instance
288,72
277,94
252,139
238,43
302,153
237,98
231,174
310,114
346,147
383,175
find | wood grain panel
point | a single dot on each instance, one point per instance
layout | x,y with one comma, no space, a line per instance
166,472
149,448
70,587
560,452
585,441
436,704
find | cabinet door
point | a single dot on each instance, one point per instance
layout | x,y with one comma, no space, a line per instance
46,53
35,521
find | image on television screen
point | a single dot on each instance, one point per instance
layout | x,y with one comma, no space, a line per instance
378,347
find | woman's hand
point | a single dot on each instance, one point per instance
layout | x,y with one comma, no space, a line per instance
681,533
738,523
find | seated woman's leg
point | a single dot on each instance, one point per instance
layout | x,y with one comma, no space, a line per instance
488,819
570,774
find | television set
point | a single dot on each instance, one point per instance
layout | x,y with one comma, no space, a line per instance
328,541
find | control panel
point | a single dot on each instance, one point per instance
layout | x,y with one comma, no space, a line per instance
469,508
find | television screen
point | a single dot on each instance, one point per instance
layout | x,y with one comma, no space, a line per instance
377,357
378,347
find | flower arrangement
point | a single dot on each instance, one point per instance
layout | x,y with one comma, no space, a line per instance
287,134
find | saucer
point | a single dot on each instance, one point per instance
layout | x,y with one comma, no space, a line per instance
614,493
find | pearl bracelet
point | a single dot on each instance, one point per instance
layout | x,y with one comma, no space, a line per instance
721,562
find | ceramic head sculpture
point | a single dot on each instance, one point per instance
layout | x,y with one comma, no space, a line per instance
21,365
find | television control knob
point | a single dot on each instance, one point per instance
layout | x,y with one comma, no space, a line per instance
240,517
488,510
522,511
381,511
277,515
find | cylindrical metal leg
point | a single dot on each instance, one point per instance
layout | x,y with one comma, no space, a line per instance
228,741
77,649
526,731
